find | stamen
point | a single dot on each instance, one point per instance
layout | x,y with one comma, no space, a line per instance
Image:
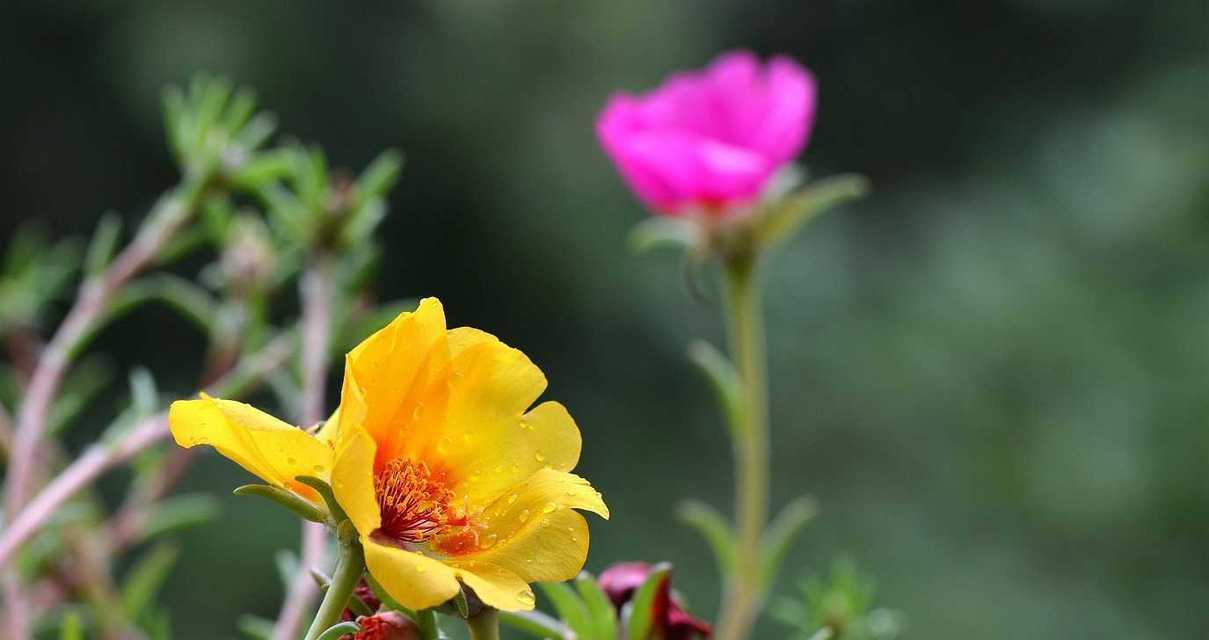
414,503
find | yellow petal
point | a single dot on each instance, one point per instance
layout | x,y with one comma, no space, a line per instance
415,580
532,531
495,586
272,450
486,429
396,370
353,480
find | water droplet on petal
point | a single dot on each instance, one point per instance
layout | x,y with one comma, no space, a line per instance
420,568
549,508
525,597
524,515
488,541
318,468
540,457
512,499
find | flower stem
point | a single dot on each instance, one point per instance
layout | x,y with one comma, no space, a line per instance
484,625
746,335
349,567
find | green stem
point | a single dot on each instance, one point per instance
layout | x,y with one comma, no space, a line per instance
484,625
746,334
349,568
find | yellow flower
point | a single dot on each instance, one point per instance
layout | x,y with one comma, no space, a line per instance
445,472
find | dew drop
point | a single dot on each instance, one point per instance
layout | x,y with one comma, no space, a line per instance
549,508
318,468
291,460
420,568
512,499
488,541
524,515
525,597
540,457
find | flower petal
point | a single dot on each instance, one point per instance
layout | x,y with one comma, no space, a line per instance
532,530
395,369
414,579
496,586
488,442
270,449
353,480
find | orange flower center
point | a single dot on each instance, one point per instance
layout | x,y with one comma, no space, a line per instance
414,502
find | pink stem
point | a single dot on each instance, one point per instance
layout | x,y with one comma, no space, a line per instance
317,297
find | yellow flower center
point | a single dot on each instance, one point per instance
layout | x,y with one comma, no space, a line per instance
414,502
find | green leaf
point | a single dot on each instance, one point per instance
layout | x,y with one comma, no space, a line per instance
336,631
300,506
570,608
144,579
642,614
724,379
179,513
780,534
782,219
182,296
288,565
72,627
715,529
659,232
600,608
104,244
257,131
256,628
380,175
83,385
537,624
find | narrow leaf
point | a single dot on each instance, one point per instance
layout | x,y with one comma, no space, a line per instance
728,389
325,491
714,528
780,534
537,624
600,608
334,632
300,506
104,244
570,608
380,175
145,578
786,217
660,232
640,624
179,513
256,628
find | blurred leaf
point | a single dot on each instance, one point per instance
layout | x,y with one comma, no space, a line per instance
288,565
144,397
255,627
537,624
570,608
72,627
380,175
145,577
600,608
780,534
641,621
104,244
83,384
783,219
189,300
728,389
179,513
265,169
715,529
659,232
300,506
35,273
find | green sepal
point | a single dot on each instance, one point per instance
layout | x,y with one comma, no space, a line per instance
325,491
600,608
660,232
780,534
724,379
569,607
337,631
784,217
461,604
640,624
288,499
714,528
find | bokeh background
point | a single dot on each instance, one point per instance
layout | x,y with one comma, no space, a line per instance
991,374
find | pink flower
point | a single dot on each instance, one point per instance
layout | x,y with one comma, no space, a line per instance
710,139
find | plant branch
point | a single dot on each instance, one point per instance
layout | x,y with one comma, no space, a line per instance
317,292
104,455
349,568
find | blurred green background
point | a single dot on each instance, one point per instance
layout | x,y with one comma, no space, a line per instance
992,374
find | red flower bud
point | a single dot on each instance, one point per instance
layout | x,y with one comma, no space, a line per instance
388,625
620,581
